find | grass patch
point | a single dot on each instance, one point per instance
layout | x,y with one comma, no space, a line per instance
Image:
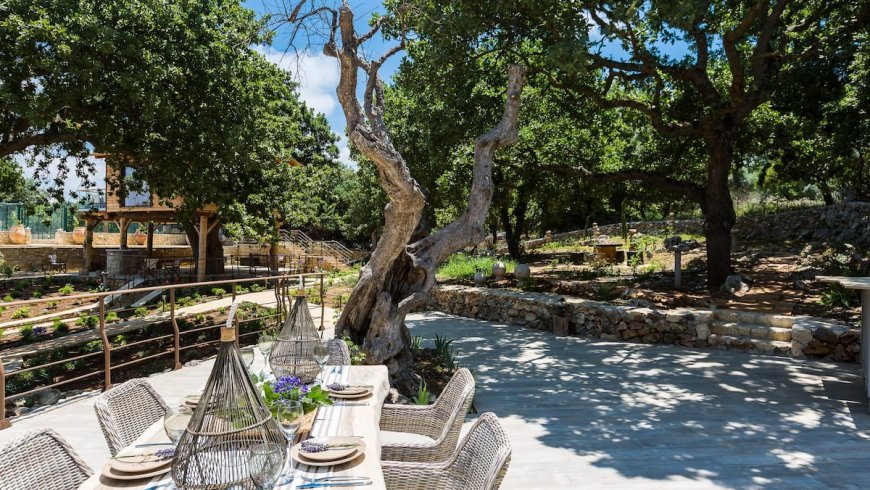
463,266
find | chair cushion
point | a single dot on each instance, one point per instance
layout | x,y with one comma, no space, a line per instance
404,438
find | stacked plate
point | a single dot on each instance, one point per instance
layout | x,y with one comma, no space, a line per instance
336,390
191,400
327,451
138,463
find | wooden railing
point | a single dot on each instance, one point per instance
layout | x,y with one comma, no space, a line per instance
279,284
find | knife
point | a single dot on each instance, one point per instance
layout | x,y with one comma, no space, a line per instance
327,483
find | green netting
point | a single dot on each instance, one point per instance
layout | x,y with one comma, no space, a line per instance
42,225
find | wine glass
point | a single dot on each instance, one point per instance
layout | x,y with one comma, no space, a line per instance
289,414
321,356
265,462
175,422
264,343
248,356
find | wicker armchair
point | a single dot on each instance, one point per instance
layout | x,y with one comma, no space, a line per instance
41,459
125,411
339,354
441,421
479,463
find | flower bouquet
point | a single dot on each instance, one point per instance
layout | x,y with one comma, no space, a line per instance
292,388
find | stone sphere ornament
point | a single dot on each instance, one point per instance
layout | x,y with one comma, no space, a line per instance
522,271
498,270
479,278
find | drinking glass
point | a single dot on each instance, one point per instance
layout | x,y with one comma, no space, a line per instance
248,356
264,343
321,356
175,422
289,417
265,462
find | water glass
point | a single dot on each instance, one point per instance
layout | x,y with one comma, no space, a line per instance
321,354
289,414
248,356
175,422
265,462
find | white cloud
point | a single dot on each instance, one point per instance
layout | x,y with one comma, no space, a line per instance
317,76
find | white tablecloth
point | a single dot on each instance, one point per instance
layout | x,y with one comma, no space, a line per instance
338,420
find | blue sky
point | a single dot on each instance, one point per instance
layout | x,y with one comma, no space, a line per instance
317,74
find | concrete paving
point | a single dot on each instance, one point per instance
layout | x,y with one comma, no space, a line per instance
592,414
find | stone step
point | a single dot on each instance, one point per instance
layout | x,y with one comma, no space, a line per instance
737,316
773,347
750,330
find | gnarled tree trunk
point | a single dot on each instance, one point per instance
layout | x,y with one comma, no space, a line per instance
401,270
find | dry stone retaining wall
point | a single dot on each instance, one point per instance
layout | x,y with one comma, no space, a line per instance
720,329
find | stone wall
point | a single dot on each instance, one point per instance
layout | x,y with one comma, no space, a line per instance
844,222
718,329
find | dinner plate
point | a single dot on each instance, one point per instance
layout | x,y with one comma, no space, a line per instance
127,461
331,456
114,474
309,462
350,393
192,400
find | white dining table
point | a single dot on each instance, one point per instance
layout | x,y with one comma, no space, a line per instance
359,418
862,284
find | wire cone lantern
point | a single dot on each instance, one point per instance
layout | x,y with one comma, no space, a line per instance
293,350
229,418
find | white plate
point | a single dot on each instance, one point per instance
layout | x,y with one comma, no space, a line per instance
332,456
128,460
350,393
109,472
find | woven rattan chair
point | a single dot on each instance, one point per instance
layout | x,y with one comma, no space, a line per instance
441,422
339,354
41,459
125,411
479,463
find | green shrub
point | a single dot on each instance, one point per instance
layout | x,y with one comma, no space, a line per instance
52,304
240,289
141,311
838,296
26,332
23,312
89,321
256,288
59,328
463,266
36,294
93,346
112,317
8,298
66,290
422,397
219,292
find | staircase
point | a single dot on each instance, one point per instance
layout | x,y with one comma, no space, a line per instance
769,334
328,249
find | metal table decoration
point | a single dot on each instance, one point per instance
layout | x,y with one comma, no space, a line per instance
229,418
293,351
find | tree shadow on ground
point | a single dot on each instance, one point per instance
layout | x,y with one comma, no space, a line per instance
655,412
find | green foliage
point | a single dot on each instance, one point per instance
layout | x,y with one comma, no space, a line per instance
442,347
26,332
357,356
88,321
59,328
422,396
315,397
416,342
838,296
219,292
606,292
463,266
8,298
141,311
112,317
66,289
23,312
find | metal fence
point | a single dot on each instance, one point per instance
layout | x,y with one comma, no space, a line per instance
42,225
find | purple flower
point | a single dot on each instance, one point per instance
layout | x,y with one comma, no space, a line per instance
167,453
336,386
285,384
39,330
313,447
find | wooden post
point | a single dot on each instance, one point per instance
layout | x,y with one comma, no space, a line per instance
88,245
322,303
203,236
123,224
107,347
149,244
4,422
175,331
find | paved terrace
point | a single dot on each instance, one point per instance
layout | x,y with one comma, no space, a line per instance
591,414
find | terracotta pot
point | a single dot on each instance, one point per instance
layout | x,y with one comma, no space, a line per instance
78,235
498,270
140,237
522,271
18,235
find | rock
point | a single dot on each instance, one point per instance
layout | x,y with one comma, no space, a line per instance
530,317
796,350
826,335
46,397
801,333
734,284
817,348
850,337
608,336
702,331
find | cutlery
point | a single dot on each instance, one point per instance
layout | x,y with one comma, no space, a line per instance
154,444
320,484
337,477
349,404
